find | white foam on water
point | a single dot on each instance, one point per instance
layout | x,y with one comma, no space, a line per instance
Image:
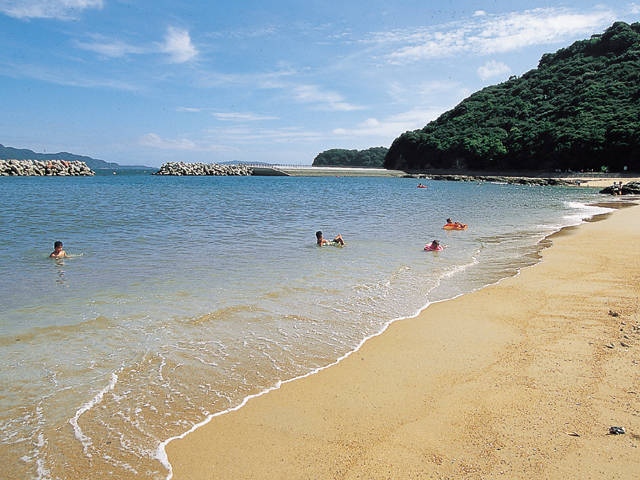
80,436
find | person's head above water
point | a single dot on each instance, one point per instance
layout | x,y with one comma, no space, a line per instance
58,252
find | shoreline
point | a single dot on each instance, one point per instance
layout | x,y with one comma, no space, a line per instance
410,399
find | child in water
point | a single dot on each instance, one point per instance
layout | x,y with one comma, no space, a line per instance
58,252
433,246
455,224
321,241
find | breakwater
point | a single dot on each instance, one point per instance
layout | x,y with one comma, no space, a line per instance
182,168
44,168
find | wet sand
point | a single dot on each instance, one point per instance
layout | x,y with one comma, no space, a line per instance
519,380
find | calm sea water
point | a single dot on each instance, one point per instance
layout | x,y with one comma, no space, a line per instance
185,295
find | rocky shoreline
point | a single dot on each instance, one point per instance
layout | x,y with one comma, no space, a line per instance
184,169
55,168
503,179
630,188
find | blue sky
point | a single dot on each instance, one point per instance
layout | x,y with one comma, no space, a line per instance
147,82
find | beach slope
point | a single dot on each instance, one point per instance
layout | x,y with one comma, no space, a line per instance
519,380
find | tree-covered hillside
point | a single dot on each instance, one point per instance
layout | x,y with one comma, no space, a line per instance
579,110
337,157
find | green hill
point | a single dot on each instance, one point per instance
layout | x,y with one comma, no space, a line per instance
337,157
579,110
10,153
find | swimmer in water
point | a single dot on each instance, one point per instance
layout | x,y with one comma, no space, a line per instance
321,241
58,252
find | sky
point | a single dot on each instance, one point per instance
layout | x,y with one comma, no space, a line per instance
144,82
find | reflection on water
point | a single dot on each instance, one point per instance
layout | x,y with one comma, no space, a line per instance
59,262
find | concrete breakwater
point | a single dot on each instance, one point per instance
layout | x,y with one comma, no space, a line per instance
181,168
44,168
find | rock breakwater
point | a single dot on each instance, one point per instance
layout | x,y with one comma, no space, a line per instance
181,168
58,168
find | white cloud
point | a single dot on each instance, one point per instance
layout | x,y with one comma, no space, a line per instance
384,131
58,9
493,69
60,75
228,116
241,117
114,49
177,44
326,100
253,136
487,34
155,141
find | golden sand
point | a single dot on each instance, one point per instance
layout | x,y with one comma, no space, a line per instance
520,380
603,182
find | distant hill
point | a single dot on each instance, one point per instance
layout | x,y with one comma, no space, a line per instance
338,157
579,110
8,153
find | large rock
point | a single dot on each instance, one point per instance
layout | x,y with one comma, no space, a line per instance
44,168
181,168
631,188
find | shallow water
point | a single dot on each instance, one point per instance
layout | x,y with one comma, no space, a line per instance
184,295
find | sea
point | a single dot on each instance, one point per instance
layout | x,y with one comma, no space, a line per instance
182,297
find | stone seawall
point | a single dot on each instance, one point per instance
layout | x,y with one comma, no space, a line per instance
58,168
181,168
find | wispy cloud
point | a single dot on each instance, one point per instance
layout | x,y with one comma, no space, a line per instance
228,140
325,100
228,116
253,136
486,34
56,9
388,128
114,49
493,69
177,44
63,76
241,117
153,140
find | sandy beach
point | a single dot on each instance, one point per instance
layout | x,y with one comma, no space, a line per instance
520,380
603,182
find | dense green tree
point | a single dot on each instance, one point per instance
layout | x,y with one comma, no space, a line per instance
337,157
579,110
